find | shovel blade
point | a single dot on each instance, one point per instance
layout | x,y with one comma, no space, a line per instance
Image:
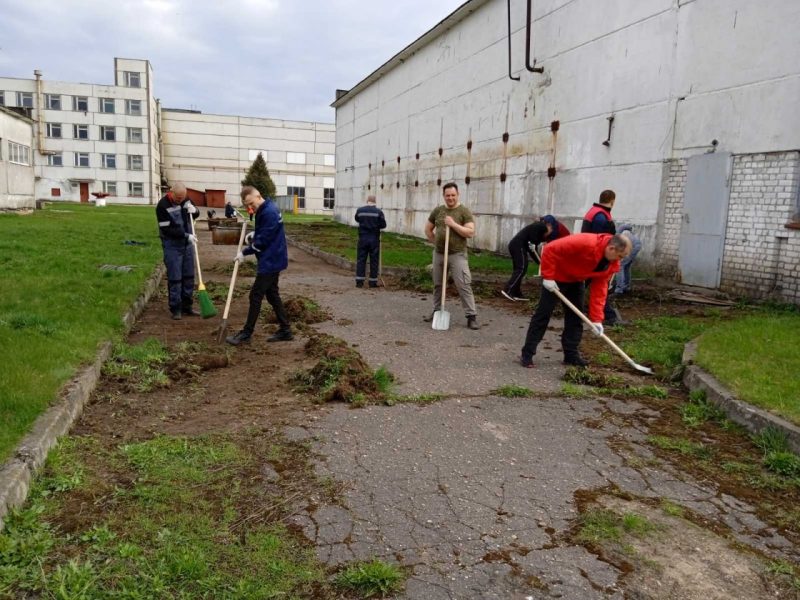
643,369
441,320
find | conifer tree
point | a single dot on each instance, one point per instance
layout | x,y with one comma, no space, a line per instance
258,177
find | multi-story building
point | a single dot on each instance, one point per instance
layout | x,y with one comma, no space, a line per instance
92,137
16,166
208,151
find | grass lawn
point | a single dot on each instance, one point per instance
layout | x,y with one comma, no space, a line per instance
398,250
757,357
56,304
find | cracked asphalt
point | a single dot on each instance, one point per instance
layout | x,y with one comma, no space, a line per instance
476,494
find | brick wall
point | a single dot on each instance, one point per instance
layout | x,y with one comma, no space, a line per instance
761,257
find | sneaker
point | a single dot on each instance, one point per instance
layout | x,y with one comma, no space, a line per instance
507,295
576,360
472,322
176,315
528,364
243,337
282,335
190,312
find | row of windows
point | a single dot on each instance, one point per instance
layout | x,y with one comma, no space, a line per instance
79,103
135,188
108,133
134,162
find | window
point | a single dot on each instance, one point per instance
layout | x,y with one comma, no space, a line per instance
109,161
25,99
81,159
2,98
108,133
296,158
135,134
329,160
328,198
80,103
106,105
133,107
53,130
55,160
296,185
135,188
132,79
110,188
135,162
80,132
18,153
53,101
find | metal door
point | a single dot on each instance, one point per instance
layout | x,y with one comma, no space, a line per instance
84,191
704,218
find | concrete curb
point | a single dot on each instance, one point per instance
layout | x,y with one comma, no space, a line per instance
348,265
750,417
16,474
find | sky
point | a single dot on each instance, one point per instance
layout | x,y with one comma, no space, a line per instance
262,58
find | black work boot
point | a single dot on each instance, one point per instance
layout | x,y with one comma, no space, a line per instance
472,322
359,284
243,337
176,315
282,335
575,360
190,312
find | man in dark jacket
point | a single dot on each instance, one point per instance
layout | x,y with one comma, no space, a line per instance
269,245
230,212
598,219
523,245
566,264
370,221
174,212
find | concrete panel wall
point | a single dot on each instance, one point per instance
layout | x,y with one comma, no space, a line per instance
16,180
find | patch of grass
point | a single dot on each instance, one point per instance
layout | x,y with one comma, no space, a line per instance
575,391
637,524
513,391
603,358
786,464
599,525
780,567
140,367
56,304
383,379
370,579
699,409
590,377
771,439
659,341
671,509
681,445
758,358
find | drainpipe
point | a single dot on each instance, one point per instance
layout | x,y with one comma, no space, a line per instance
38,111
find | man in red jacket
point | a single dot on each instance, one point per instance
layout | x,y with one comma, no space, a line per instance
566,264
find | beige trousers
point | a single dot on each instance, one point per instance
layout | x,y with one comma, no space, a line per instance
458,266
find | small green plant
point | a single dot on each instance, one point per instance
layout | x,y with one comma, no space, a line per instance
681,445
370,579
513,391
575,391
699,409
783,463
603,359
671,509
599,525
383,379
771,439
637,524
780,567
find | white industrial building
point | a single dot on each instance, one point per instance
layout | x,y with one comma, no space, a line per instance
16,162
117,140
208,151
92,137
686,108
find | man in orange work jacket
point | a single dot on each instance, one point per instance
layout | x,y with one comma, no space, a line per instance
566,264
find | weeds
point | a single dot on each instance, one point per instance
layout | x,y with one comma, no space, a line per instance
671,509
699,409
513,391
681,445
139,367
421,399
601,525
371,579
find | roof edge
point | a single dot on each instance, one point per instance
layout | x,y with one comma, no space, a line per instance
455,17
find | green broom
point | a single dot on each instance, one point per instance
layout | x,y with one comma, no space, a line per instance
207,309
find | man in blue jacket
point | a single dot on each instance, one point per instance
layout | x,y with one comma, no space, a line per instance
370,221
269,245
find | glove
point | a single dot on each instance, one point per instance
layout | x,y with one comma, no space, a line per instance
248,239
550,285
190,208
239,257
598,329
192,238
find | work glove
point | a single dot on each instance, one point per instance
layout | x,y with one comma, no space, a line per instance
248,239
190,208
239,257
597,329
550,285
192,238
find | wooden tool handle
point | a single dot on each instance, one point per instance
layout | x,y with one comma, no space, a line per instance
196,256
235,271
444,270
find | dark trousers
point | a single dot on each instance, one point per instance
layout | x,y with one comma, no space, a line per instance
266,284
573,326
368,246
179,260
519,260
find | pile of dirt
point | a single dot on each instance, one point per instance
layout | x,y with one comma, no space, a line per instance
340,374
300,310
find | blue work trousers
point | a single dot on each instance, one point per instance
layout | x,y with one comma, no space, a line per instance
179,260
368,246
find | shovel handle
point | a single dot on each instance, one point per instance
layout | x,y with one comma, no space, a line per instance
235,271
196,256
444,270
586,320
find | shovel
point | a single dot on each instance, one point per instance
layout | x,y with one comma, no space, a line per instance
441,318
606,339
224,324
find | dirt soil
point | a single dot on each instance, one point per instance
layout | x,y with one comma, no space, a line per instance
475,495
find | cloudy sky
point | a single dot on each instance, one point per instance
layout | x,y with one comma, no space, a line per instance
267,58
